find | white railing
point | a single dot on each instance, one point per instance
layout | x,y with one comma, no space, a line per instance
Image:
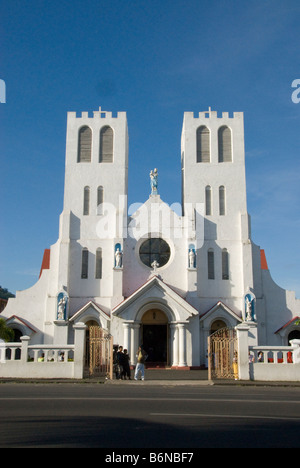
36,353
44,361
51,353
272,354
267,363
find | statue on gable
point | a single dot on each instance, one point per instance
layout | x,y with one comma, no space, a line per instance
62,301
154,181
154,266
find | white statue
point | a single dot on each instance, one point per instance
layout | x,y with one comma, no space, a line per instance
191,259
118,258
153,181
61,308
154,265
248,309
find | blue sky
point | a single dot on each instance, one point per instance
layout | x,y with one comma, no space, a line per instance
155,60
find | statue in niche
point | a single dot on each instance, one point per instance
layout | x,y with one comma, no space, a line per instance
118,258
61,306
192,258
249,308
154,181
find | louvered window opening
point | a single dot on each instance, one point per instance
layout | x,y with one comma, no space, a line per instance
98,272
222,200
225,147
208,201
225,265
85,145
203,145
100,198
211,264
86,201
84,263
106,145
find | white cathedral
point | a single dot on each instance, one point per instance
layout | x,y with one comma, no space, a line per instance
162,277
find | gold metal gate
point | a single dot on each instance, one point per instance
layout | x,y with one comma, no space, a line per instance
100,353
223,355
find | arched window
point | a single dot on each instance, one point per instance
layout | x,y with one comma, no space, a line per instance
211,264
84,145
217,325
100,199
98,270
222,200
84,263
225,264
203,144
86,201
225,147
208,201
106,145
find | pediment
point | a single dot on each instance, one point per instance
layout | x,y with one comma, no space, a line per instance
91,311
155,294
220,310
293,324
20,324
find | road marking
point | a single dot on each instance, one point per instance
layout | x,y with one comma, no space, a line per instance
227,416
169,399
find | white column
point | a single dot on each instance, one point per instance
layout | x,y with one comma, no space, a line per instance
204,344
182,345
24,350
243,351
79,342
174,345
127,336
135,333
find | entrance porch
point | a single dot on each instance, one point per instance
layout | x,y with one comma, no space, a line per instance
158,318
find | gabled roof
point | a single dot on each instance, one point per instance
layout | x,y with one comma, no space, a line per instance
83,309
223,306
13,319
290,322
156,289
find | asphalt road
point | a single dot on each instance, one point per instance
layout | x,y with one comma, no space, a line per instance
152,417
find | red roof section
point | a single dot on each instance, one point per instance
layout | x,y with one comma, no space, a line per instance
263,260
46,261
288,323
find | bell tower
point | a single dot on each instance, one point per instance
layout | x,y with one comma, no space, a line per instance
213,174
95,204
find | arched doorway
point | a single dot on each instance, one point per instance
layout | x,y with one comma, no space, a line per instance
155,336
294,335
217,325
16,339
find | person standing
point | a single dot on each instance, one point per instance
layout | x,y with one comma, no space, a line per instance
140,366
120,363
126,366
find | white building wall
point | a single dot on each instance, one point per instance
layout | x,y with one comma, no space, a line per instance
274,306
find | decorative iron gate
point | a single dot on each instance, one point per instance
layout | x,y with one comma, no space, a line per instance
223,355
100,353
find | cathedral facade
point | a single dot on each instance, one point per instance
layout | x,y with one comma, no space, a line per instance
164,276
